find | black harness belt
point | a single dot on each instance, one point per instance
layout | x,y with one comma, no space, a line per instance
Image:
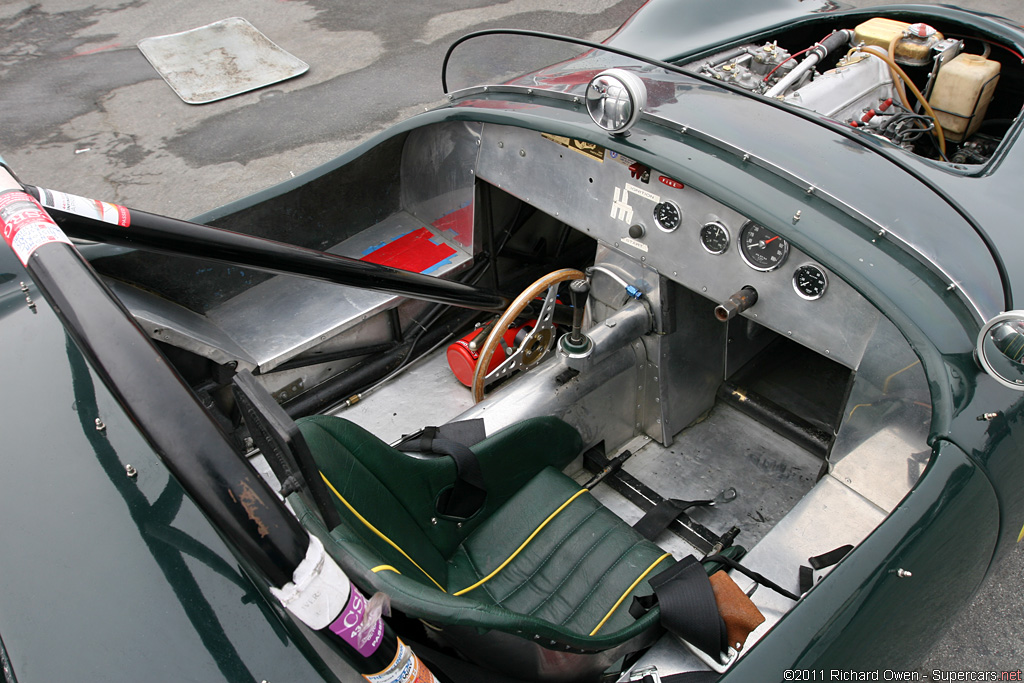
468,493
688,607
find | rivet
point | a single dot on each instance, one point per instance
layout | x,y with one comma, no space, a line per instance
433,520
796,217
529,91
952,286
746,157
903,573
522,152
501,144
575,100
131,471
458,525
99,425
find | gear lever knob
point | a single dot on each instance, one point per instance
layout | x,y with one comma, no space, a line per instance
579,292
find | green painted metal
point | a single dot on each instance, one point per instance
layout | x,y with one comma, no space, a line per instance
122,575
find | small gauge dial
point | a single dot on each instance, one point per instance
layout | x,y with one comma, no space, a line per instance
714,237
762,249
667,216
810,281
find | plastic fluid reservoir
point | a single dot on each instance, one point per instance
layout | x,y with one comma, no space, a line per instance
963,90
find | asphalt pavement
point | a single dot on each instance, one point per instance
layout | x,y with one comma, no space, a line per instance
81,110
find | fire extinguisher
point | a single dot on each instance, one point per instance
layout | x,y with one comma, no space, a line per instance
464,353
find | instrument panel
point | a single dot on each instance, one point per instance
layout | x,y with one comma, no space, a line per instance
683,233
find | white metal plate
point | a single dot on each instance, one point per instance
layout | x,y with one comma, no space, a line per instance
225,58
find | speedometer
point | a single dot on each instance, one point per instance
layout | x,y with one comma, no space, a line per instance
762,249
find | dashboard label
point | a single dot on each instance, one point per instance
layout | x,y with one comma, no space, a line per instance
587,149
634,243
640,192
620,206
621,209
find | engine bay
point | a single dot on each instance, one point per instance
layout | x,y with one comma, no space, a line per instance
940,92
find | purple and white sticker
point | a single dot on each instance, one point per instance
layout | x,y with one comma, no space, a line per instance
353,626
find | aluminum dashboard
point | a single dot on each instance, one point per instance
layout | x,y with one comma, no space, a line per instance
605,194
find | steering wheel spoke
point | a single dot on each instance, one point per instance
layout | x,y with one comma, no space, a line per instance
536,344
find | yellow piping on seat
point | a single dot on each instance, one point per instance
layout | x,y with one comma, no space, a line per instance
376,531
385,568
628,591
525,543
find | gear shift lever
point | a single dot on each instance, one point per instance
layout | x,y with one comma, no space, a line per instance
577,343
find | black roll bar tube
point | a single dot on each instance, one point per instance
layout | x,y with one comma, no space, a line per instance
152,232
191,444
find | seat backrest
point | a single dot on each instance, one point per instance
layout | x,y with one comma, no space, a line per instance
388,499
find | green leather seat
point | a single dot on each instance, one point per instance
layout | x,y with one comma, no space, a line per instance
539,581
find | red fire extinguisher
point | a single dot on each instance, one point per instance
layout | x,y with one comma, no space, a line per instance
464,353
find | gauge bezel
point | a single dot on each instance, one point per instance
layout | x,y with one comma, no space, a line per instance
824,277
657,221
724,228
746,259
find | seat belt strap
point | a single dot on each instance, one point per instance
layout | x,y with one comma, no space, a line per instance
661,515
688,607
820,562
468,493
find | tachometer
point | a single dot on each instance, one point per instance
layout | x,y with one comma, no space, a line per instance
667,216
810,281
762,249
714,237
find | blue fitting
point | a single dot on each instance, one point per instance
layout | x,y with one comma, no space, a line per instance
633,292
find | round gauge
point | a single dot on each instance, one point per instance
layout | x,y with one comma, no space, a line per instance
810,282
761,248
714,237
667,216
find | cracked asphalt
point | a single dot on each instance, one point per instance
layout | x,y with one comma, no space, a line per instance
81,110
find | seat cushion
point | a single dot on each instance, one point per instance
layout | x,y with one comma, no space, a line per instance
578,572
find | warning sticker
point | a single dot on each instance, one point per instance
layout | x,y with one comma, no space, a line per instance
26,225
588,149
87,208
406,667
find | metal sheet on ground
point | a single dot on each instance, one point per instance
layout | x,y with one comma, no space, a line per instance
221,59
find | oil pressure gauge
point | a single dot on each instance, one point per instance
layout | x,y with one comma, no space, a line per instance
714,237
810,282
667,216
